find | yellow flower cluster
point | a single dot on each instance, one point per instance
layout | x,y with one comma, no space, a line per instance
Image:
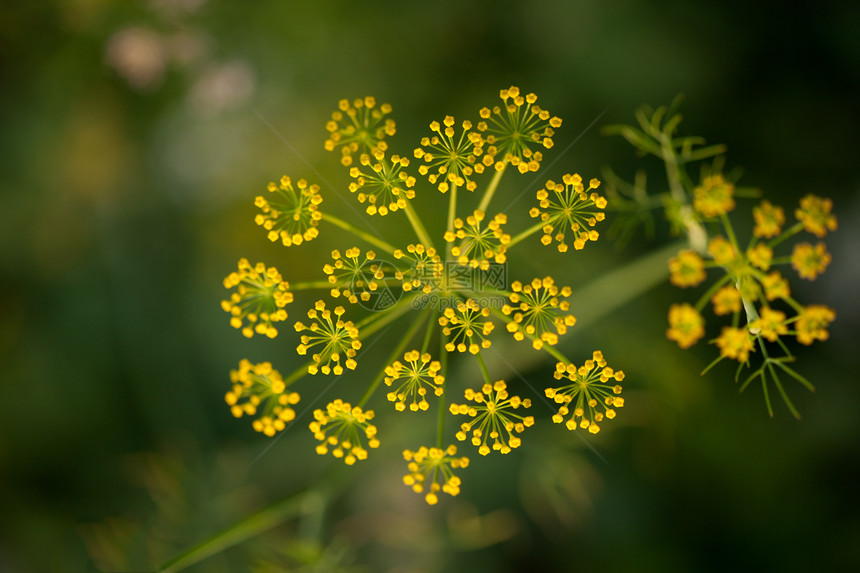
686,325
569,205
590,393
292,214
747,281
687,269
480,244
432,466
453,161
425,270
259,390
513,129
342,429
714,197
537,311
815,216
416,374
493,418
337,338
466,328
809,261
769,220
258,300
382,183
454,283
359,126
352,276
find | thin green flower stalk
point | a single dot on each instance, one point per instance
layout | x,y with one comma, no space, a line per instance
450,298
744,280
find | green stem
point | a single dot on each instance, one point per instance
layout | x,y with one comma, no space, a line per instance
297,374
491,188
418,226
241,531
696,233
358,232
712,290
307,285
452,214
440,419
730,231
788,233
527,233
398,350
374,322
430,327
484,370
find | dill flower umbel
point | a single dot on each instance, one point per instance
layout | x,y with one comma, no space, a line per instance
466,328
736,343
714,196
343,429
769,220
569,205
353,276
433,292
537,311
726,300
450,160
337,338
809,261
382,183
590,393
424,270
258,390
493,418
359,126
514,129
259,299
771,324
479,244
291,213
430,466
687,269
686,325
812,323
416,374
814,214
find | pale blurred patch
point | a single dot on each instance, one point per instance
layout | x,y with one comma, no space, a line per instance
222,86
140,55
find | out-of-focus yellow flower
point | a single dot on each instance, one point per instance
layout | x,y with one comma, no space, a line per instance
259,299
686,325
809,261
814,214
359,126
735,343
687,269
714,197
259,390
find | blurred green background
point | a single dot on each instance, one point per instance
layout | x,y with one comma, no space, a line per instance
134,138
